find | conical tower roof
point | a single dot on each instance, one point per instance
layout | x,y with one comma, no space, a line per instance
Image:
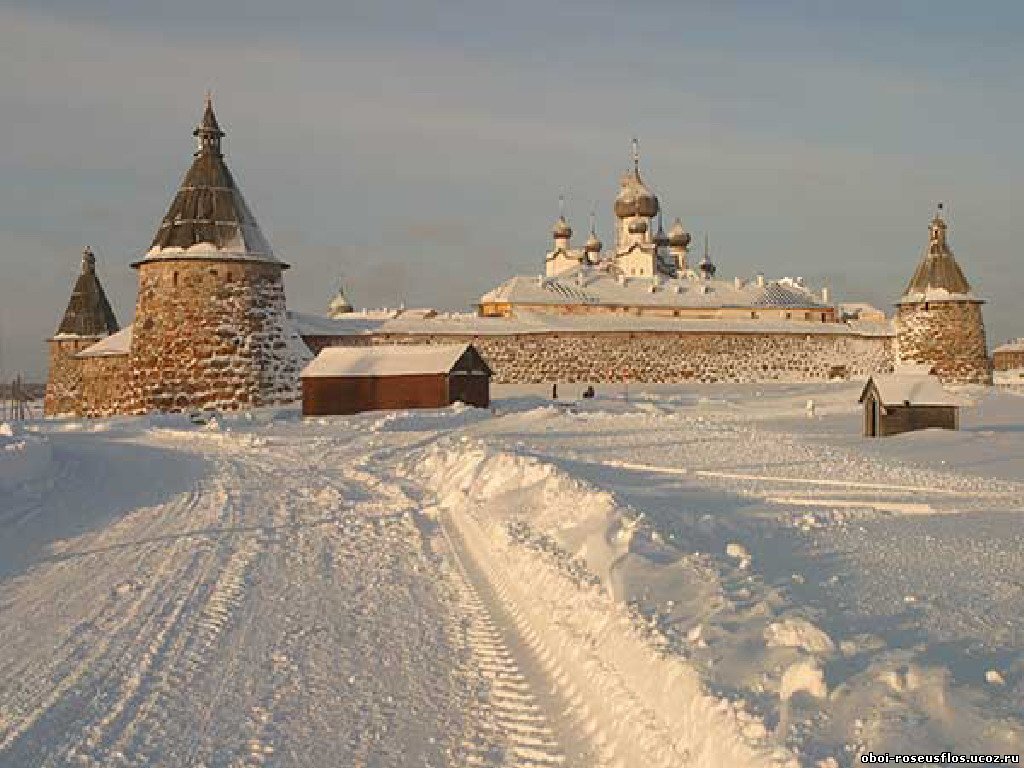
339,305
88,313
937,274
209,218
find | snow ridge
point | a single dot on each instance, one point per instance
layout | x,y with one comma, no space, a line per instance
639,704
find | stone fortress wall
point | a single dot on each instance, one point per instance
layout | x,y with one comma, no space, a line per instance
660,356
64,382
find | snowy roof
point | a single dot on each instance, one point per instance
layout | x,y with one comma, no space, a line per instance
1017,345
385,360
209,218
343,325
114,345
88,312
938,277
526,321
586,284
915,389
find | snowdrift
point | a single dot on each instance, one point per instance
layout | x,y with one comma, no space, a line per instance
23,457
552,546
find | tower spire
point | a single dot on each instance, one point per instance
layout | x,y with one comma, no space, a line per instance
636,157
208,133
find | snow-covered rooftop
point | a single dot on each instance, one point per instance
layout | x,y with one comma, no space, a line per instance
526,321
915,389
112,346
594,285
385,360
1017,345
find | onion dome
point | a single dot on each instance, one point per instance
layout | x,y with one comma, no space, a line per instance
561,229
637,227
677,236
593,245
634,198
660,238
706,267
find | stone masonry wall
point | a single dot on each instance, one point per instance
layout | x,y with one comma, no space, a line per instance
654,357
106,385
64,380
949,335
211,334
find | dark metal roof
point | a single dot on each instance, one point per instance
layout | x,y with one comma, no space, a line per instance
209,208
937,268
88,313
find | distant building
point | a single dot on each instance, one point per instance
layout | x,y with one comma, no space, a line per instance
1009,356
901,402
339,306
647,273
343,380
938,319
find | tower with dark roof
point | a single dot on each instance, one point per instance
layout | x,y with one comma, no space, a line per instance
87,319
938,318
211,328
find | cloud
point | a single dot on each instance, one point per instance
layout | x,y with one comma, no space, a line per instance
420,157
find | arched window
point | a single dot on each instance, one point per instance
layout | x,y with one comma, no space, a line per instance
174,279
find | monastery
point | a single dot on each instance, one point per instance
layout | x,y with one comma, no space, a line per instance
212,330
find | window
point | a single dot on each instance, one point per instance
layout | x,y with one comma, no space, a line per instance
174,280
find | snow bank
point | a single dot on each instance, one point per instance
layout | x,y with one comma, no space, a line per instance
551,546
23,457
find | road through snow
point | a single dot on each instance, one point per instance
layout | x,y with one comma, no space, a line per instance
244,601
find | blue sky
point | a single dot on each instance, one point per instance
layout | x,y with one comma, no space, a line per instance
417,150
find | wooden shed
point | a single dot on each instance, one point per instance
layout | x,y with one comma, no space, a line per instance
900,403
343,380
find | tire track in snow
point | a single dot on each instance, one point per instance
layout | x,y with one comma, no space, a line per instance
88,658
515,729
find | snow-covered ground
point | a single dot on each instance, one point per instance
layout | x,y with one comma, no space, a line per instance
693,576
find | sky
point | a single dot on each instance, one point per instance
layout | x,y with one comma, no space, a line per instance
415,151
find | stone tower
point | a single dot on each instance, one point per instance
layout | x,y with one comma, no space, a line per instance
210,323
87,319
938,319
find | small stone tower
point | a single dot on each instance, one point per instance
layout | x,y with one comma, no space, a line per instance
87,319
938,319
210,322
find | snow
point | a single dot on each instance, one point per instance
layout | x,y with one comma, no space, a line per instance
916,389
526,321
1017,345
938,294
694,575
23,457
114,345
385,360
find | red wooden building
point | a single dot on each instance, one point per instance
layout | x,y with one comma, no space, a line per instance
344,380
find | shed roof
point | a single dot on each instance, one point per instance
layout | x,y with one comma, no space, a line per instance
913,389
387,360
